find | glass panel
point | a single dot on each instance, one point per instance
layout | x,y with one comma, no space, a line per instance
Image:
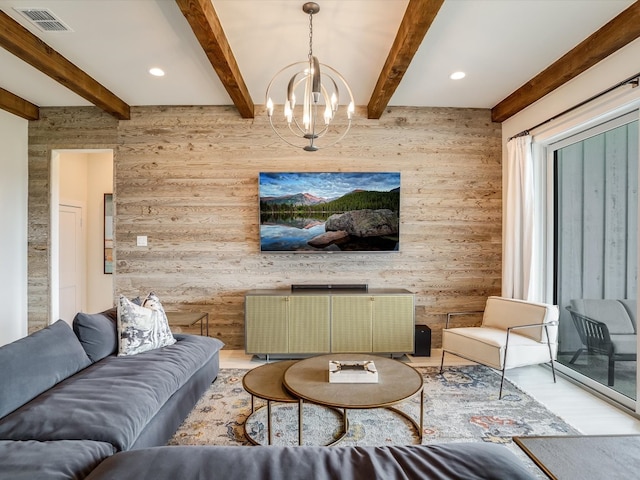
596,204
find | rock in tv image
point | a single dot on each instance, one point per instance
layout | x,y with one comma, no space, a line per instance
329,212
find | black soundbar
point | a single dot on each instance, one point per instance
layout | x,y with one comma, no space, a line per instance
362,287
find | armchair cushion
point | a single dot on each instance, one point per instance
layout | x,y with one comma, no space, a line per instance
503,313
487,345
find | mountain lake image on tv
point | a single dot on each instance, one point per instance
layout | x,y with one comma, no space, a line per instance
329,212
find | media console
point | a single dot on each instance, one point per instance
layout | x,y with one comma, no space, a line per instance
311,321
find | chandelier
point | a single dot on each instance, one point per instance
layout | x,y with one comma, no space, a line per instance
312,100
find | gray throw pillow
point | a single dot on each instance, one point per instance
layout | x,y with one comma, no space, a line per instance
37,362
142,328
97,333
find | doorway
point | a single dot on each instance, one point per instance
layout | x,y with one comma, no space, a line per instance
79,178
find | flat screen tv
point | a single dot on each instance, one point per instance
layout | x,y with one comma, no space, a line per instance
329,212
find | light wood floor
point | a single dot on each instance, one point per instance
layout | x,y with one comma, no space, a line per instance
584,411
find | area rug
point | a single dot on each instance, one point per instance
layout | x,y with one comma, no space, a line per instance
461,405
590,457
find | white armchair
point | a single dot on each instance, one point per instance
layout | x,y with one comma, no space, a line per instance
514,333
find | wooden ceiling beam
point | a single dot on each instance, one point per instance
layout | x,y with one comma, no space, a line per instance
23,44
18,106
206,26
414,26
619,32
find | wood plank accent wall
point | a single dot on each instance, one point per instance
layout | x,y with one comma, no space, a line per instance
57,128
187,177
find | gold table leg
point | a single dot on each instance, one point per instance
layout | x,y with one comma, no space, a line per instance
419,427
421,414
300,410
269,422
345,420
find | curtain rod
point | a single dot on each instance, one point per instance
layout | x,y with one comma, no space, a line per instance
633,80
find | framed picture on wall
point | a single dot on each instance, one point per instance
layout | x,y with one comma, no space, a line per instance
108,233
329,212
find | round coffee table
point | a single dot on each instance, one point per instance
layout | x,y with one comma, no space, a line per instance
265,382
308,380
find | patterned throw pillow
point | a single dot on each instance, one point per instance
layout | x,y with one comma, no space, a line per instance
142,328
153,302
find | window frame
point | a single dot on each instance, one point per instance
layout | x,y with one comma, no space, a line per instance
594,119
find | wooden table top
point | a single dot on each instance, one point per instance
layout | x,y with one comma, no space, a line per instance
266,382
309,379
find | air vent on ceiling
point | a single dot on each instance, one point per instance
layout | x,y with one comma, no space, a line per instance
44,19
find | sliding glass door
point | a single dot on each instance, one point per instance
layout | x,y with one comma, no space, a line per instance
596,254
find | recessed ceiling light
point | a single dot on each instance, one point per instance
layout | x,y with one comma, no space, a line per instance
457,75
156,72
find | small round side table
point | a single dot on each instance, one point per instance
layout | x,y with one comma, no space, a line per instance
265,382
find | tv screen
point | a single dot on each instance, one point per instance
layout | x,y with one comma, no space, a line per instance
329,212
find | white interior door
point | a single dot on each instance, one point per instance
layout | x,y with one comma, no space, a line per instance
71,262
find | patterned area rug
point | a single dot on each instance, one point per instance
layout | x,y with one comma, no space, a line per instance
460,406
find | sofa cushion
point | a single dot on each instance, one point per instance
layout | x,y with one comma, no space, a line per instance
97,333
624,344
60,460
142,328
608,311
114,399
34,364
446,461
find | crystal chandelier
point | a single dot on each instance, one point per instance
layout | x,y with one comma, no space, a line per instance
312,100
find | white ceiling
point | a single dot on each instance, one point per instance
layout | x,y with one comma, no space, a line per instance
500,44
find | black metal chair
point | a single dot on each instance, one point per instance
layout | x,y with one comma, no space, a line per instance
596,339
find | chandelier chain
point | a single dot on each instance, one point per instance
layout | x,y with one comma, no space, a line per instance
310,34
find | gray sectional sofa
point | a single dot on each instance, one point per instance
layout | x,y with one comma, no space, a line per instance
71,409
68,401
452,461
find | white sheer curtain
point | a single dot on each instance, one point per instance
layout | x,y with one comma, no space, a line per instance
517,266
